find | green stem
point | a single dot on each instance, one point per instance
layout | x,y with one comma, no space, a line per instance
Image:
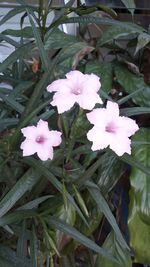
72,137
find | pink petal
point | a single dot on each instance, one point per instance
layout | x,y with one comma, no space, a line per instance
75,76
98,116
120,145
61,84
28,147
55,138
91,83
88,101
63,101
127,125
42,125
44,152
29,132
98,137
112,109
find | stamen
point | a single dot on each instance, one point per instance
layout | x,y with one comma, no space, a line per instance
40,139
110,128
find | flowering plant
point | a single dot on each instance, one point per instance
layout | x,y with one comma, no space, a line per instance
74,143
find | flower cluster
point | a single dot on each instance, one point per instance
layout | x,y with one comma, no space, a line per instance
109,128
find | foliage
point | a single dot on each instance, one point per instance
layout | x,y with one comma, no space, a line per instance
65,211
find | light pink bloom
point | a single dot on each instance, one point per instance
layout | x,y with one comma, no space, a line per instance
76,88
110,129
40,140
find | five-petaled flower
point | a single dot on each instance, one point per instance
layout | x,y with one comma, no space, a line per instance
76,88
40,140
110,129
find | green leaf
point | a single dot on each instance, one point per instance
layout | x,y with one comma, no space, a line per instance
58,39
102,21
130,5
8,40
143,40
135,163
140,182
12,103
24,184
25,32
75,234
34,203
103,206
74,51
13,12
139,233
43,170
131,82
114,32
18,53
109,172
134,111
16,217
22,242
6,123
5,263
104,70
34,248
37,35
112,245
10,256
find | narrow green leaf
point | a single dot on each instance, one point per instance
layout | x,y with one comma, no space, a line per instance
130,5
34,203
81,201
135,163
44,171
10,256
16,217
34,248
128,97
25,32
24,184
6,123
19,52
8,40
36,33
75,234
13,12
101,21
22,242
134,111
112,245
12,103
103,206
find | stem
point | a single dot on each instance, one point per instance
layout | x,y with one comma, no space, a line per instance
72,137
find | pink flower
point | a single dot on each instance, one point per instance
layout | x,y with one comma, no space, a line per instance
40,140
76,88
110,129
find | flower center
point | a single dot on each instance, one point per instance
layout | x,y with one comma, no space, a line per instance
110,128
77,92
40,139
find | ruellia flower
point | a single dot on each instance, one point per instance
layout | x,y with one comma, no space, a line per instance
40,140
110,129
76,88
